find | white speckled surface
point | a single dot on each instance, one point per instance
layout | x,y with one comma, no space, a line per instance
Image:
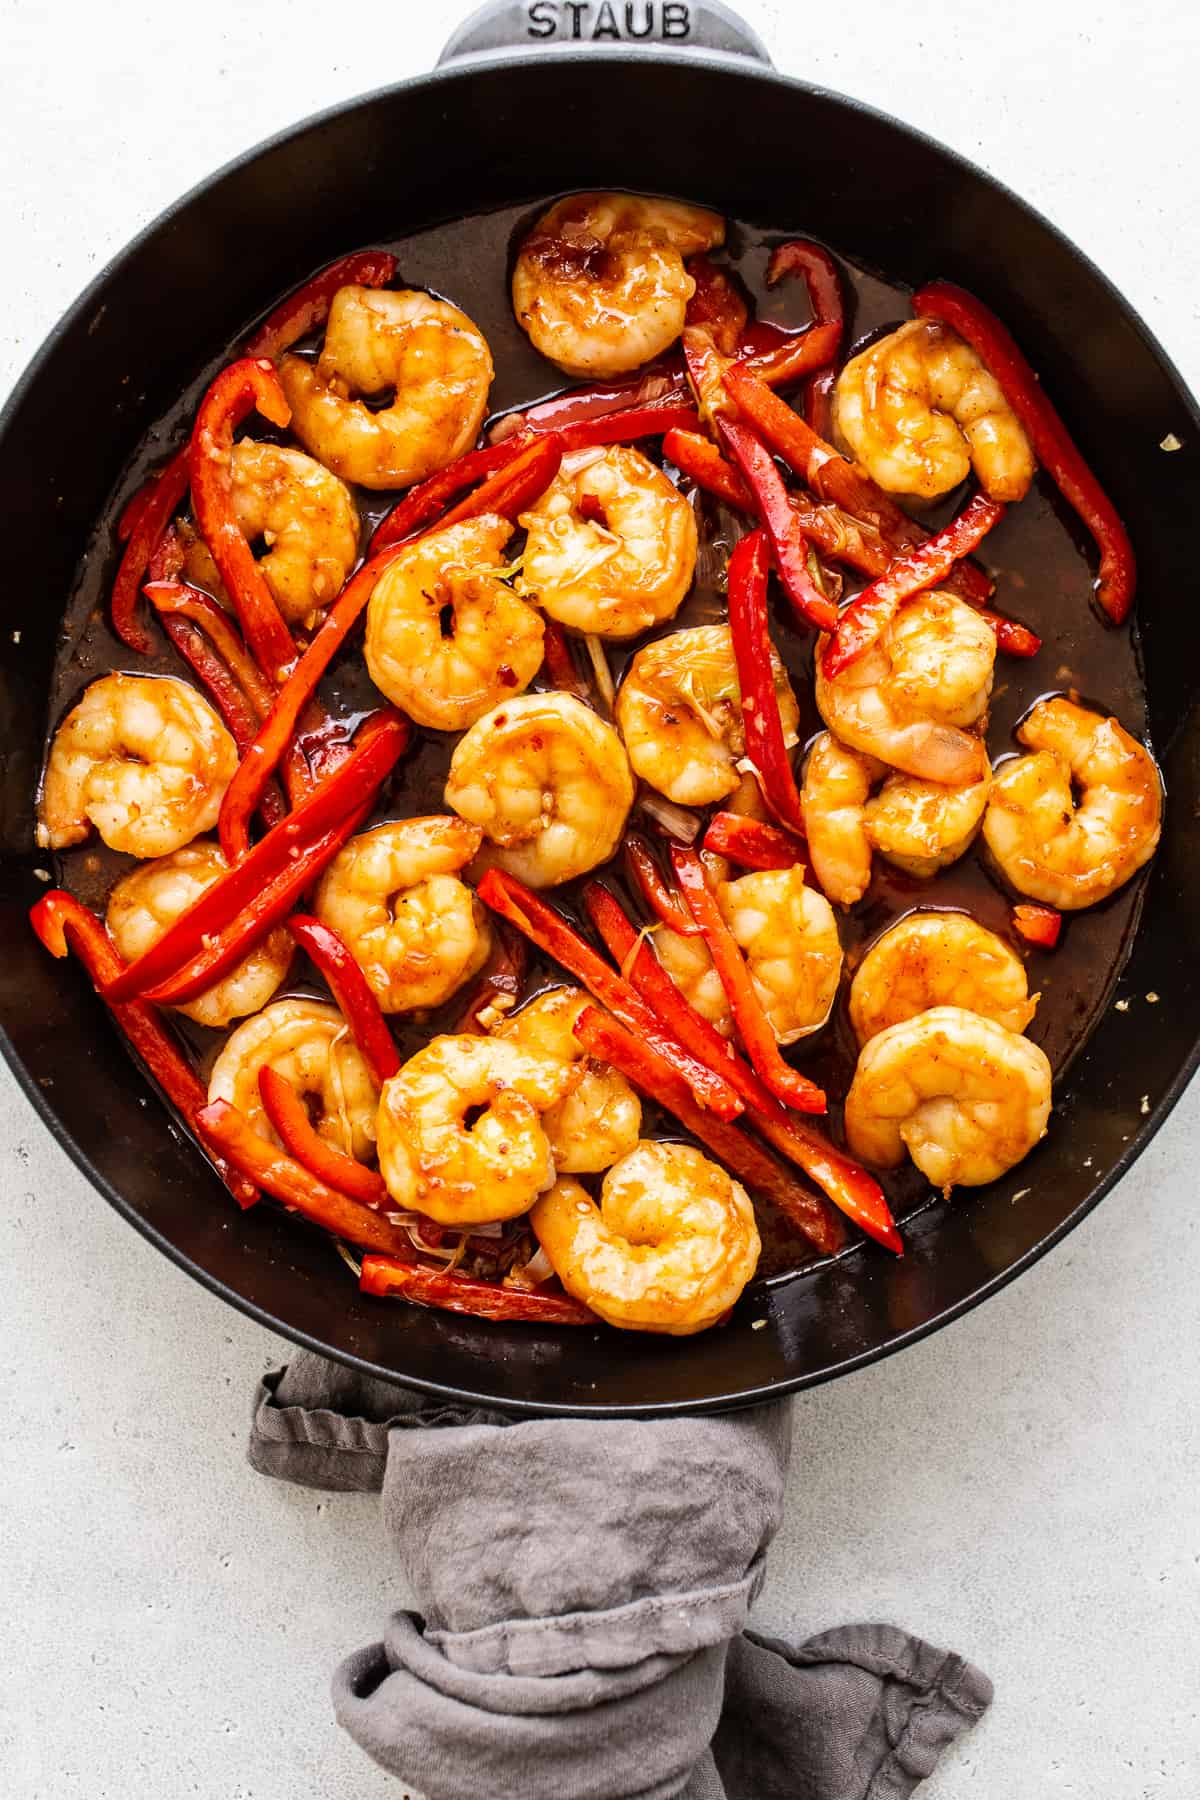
1021,1487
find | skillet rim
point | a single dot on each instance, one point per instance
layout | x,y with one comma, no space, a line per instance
746,69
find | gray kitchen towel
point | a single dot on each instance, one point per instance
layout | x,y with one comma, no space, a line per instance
582,1591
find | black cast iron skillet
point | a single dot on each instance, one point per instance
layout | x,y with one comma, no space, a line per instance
717,124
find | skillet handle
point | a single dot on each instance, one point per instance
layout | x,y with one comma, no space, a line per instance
502,26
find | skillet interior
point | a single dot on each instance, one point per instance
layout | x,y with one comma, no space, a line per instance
889,200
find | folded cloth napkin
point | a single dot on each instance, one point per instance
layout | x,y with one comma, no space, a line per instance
582,1590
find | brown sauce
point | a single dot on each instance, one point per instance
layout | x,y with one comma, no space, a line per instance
1038,555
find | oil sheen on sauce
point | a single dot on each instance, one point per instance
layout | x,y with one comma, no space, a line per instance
1043,575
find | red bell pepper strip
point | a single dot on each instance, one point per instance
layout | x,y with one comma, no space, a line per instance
752,843
223,690
832,478
281,892
301,1139
352,991
872,611
699,458
278,728
226,696
153,508
133,508
832,530
279,1174
173,596
559,664
63,924
706,369
660,378
309,306
1038,925
238,390
194,604
423,504
379,743
511,489
666,906
743,1156
501,978
817,400
786,1083
672,413
452,1292
1011,636
546,928
761,721
804,351
848,1185
1053,445
789,546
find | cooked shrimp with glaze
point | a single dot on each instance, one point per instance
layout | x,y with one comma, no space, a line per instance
602,1119
1064,851
919,411
425,353
669,1248
837,786
549,783
611,545
938,959
600,284
144,760
305,519
965,1097
494,1167
447,638
920,826
309,1044
679,710
910,699
395,896
151,897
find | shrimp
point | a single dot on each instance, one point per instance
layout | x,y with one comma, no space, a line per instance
304,516
425,352
143,758
602,1120
679,710
909,698
549,783
150,898
599,283
394,895
494,1168
920,826
964,1096
670,1247
919,410
789,937
446,638
612,544
309,1044
1063,853
837,785
938,959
